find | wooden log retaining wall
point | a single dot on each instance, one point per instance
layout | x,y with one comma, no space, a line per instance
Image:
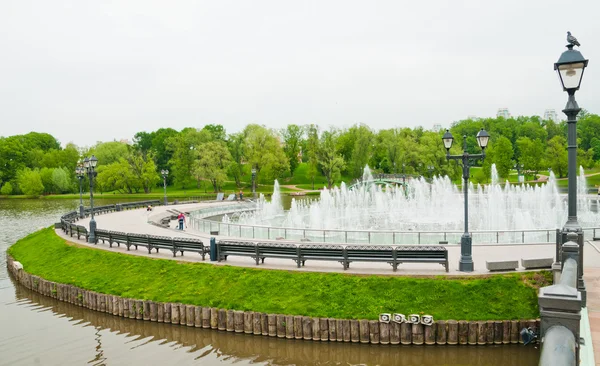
442,332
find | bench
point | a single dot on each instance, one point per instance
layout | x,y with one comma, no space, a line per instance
160,242
190,245
82,231
370,253
323,252
103,235
278,250
227,248
117,237
509,265
421,254
531,263
137,240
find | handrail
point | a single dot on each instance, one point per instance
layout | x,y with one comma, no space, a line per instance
199,221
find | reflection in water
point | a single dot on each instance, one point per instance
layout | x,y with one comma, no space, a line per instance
209,345
37,330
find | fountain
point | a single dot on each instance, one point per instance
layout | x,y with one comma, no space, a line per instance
425,208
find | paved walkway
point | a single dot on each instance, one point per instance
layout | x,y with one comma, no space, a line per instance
136,221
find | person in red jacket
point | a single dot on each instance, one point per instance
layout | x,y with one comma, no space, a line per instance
181,219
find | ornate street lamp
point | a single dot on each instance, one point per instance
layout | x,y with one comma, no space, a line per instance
164,174
466,260
90,168
80,172
253,182
570,67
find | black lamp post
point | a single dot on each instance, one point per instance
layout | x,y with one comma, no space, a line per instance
164,174
80,172
466,260
253,182
570,67
90,168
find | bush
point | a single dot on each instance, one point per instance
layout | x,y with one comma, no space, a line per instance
6,189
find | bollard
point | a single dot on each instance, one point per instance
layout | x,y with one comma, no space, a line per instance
213,249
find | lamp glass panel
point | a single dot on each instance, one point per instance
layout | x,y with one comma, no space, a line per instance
570,75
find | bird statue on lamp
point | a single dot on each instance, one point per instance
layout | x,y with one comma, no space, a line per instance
572,40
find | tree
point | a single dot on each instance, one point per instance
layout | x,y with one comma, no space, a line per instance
6,189
557,156
217,132
184,147
61,180
312,151
213,163
263,152
362,150
235,144
142,170
330,161
532,154
30,182
501,153
109,152
292,139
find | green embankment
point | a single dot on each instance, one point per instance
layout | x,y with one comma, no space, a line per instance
511,296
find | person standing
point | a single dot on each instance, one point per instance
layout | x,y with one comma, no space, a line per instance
181,219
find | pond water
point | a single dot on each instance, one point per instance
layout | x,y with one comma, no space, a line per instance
36,330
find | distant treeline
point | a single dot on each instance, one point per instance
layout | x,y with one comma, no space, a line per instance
35,163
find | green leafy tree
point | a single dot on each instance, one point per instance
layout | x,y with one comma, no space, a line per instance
30,182
263,151
213,163
143,171
184,147
501,153
292,138
235,144
109,152
362,150
312,151
557,156
217,132
6,189
532,154
61,180
330,161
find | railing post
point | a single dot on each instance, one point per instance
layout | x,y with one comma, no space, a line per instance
560,304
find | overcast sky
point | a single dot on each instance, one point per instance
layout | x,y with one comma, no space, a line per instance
88,71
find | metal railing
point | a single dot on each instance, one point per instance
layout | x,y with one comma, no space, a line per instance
560,311
200,221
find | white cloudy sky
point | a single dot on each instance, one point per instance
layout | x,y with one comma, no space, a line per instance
102,70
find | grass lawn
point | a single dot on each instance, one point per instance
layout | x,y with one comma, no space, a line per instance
494,297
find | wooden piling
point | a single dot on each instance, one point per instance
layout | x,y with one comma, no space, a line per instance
316,329
146,313
190,315
394,333
346,330
160,312
498,332
238,321
272,320
332,329
452,332
324,326
430,333
298,334
339,333
132,308
205,317
506,332
229,322
214,318
175,314
198,317
264,324
489,337
153,311
222,319
289,327
417,334
307,328
354,331
441,335
472,337
374,331
248,322
463,332
384,333
481,332
405,333
514,331
280,326
256,325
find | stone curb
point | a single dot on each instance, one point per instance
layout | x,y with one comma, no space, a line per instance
441,332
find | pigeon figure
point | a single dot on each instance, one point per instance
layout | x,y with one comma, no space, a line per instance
572,40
